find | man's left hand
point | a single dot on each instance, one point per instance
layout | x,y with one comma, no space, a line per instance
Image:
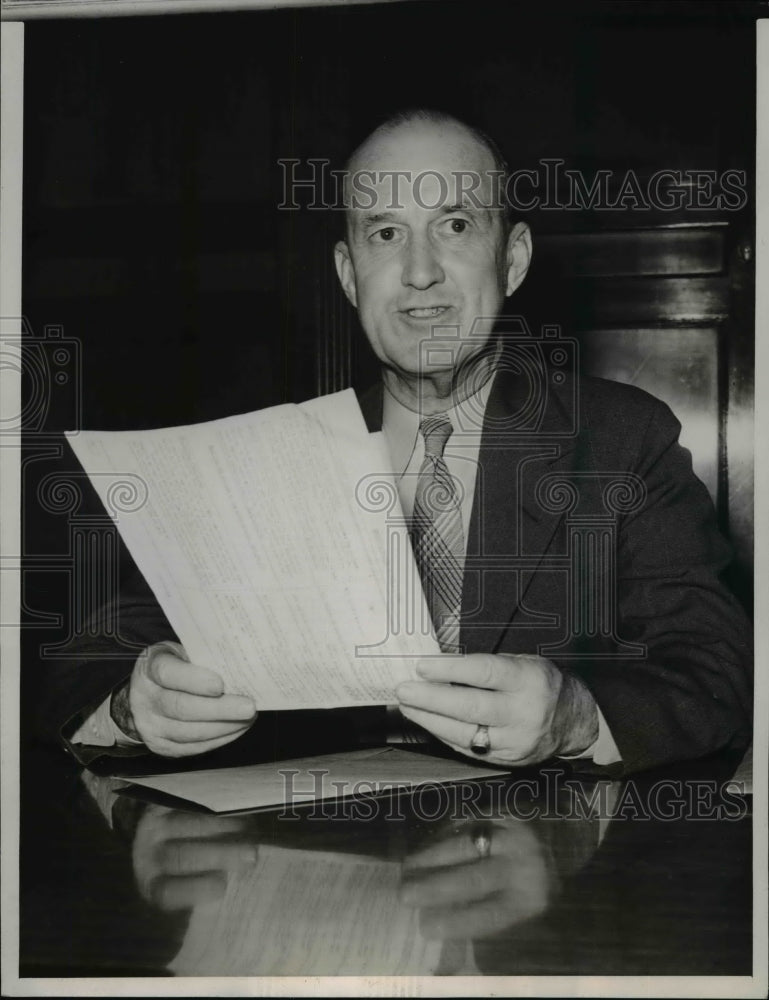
533,710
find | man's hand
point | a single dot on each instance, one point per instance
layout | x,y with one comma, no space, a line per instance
178,709
533,710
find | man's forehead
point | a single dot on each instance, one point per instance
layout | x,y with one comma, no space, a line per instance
428,165
419,146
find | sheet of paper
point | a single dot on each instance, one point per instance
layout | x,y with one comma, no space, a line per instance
300,912
275,545
259,786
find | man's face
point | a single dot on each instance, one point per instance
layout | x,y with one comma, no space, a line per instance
426,268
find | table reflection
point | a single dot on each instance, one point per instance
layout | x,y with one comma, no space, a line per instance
338,897
120,884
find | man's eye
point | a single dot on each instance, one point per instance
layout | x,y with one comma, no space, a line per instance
458,225
386,235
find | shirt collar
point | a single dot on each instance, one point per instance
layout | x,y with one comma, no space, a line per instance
401,425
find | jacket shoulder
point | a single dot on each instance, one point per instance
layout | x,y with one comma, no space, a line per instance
602,394
618,408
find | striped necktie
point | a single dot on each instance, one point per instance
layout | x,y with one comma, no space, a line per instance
436,534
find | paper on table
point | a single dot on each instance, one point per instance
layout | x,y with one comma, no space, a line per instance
266,543
359,772
300,912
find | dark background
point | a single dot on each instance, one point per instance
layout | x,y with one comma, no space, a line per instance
154,248
151,184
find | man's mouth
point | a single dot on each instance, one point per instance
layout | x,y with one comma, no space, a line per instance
426,312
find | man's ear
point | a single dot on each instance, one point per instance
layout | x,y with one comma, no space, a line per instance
345,271
518,255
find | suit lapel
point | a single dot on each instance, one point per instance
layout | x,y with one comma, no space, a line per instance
510,529
371,402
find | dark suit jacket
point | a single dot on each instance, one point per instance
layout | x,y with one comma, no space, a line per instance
591,542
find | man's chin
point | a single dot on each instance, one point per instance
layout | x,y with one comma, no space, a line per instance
432,357
424,372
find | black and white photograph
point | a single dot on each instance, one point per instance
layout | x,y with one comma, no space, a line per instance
381,429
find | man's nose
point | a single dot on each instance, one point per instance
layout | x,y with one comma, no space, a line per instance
421,268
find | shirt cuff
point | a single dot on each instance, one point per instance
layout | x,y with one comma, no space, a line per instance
101,730
604,751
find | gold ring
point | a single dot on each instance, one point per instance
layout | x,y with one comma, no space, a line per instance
480,743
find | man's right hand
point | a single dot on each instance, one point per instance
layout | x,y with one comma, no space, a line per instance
178,709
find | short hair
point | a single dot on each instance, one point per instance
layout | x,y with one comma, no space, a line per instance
433,116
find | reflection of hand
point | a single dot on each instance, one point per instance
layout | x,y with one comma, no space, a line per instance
181,858
178,709
532,709
461,894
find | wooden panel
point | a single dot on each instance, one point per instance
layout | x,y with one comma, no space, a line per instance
614,302
678,366
739,432
690,250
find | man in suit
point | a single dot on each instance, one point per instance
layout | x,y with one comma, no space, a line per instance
617,647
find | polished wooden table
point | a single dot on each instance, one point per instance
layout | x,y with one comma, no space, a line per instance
517,875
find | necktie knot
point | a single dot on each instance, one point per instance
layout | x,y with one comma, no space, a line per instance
436,430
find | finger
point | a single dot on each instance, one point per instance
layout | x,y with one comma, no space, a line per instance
482,670
467,704
204,734
460,884
515,840
451,731
198,708
171,672
476,920
182,892
459,735
170,748
188,857
457,849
